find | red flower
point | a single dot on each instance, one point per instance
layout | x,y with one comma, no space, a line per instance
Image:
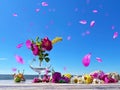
35,49
46,44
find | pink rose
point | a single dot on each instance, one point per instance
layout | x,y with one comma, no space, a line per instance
35,49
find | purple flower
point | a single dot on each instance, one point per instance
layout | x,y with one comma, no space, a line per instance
56,77
46,44
46,78
35,49
36,80
64,80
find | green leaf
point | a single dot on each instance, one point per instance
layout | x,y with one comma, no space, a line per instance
37,38
41,59
46,54
47,59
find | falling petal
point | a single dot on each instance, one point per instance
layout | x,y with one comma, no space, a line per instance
115,35
37,10
69,37
19,45
92,23
87,1
83,34
44,4
83,22
51,22
46,26
53,9
44,12
19,59
49,9
95,11
86,60
64,68
76,9
87,32
14,69
15,15
106,14
113,27
98,59
28,44
69,24
31,23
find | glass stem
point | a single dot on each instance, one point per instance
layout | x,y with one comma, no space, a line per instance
40,63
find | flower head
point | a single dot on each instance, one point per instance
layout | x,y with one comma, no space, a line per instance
35,49
39,47
46,44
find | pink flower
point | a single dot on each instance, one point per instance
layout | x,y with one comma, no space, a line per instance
36,80
46,44
28,44
35,49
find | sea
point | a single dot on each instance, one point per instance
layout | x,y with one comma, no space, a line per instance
10,77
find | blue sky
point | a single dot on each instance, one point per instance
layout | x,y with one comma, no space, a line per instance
61,18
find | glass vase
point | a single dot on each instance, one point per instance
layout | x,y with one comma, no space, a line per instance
40,67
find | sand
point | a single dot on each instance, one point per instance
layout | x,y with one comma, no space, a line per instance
28,85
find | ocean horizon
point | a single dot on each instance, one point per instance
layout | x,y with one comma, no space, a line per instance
10,76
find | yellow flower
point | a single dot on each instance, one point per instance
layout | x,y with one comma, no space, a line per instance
87,79
57,39
68,75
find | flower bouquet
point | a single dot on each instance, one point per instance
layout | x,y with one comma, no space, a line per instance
40,49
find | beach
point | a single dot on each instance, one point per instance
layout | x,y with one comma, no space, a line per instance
28,85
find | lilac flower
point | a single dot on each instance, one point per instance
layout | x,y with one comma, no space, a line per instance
56,77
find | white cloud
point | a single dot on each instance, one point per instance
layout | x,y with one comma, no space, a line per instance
3,58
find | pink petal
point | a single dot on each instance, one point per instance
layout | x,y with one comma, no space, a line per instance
115,35
19,45
15,15
86,60
83,34
14,69
37,10
76,9
95,11
53,9
87,32
92,23
28,44
87,1
64,68
46,26
113,27
19,59
51,22
44,4
69,37
98,59
83,22
69,24
49,9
